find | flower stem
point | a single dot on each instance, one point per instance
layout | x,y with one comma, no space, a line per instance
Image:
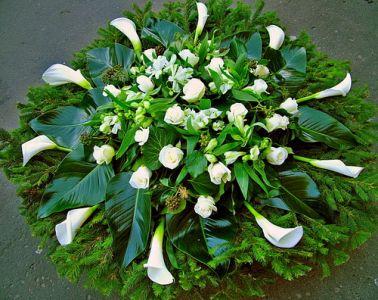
304,99
252,210
159,232
301,158
63,149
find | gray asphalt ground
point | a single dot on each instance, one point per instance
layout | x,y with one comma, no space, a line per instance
36,34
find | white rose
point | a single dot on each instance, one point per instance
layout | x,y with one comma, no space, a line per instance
232,156
259,86
219,172
193,90
103,154
150,54
145,84
216,64
254,152
112,90
140,179
190,57
261,71
174,115
236,109
277,122
170,156
205,206
141,136
290,105
277,156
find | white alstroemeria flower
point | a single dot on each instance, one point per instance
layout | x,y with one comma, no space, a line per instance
227,83
36,145
170,156
277,122
211,113
205,206
66,230
188,56
202,18
216,64
259,86
219,173
141,136
254,152
150,54
290,105
334,165
179,76
111,89
103,154
156,269
116,123
59,74
236,109
261,71
278,236
211,158
341,89
218,125
277,156
140,179
232,156
174,115
145,84
110,124
276,36
159,64
193,90
128,28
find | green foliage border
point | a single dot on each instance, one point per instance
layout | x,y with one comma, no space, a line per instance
257,263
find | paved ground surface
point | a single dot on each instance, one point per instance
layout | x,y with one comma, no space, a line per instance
35,34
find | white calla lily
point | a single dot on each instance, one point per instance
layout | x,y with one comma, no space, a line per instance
334,165
341,89
128,28
278,236
66,230
156,269
36,145
276,36
59,74
202,18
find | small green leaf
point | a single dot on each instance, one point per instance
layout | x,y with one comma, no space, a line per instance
242,178
226,147
127,141
244,96
205,103
254,46
196,163
203,186
252,174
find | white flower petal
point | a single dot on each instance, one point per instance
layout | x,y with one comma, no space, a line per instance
276,36
128,28
59,74
36,145
337,166
340,89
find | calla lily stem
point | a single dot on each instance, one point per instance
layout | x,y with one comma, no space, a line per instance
304,99
63,149
301,158
252,210
159,232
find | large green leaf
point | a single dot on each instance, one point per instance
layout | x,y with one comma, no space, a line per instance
161,32
66,124
317,126
203,186
196,163
102,59
98,97
254,46
77,182
242,177
294,71
202,238
158,138
128,211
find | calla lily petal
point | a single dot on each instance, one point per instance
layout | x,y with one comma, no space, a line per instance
278,236
341,89
276,36
66,230
36,145
59,74
128,28
156,268
338,166
202,18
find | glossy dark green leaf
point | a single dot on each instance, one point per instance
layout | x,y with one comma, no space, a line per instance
276,61
203,186
295,58
237,49
202,238
196,163
242,178
254,46
78,182
127,141
66,124
158,138
275,202
102,59
128,211
244,96
300,193
252,174
161,32
98,97
317,126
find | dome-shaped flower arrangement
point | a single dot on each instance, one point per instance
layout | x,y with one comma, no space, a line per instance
195,152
